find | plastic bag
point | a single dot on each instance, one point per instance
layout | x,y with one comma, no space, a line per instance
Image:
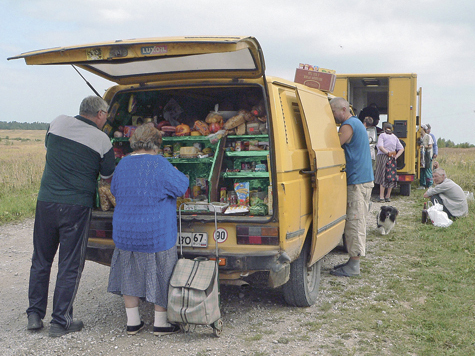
439,217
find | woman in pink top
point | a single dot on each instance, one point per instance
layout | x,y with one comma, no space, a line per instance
389,149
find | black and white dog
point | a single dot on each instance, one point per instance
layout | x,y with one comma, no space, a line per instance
386,219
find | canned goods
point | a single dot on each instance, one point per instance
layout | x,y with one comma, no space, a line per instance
167,149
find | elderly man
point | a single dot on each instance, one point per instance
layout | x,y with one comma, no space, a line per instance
359,175
449,194
77,151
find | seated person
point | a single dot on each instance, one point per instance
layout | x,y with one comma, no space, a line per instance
449,194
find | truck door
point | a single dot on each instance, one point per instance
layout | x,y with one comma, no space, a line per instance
327,162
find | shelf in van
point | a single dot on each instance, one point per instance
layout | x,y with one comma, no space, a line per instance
245,174
185,138
247,153
246,137
190,160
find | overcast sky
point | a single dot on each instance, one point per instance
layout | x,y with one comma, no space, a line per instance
433,38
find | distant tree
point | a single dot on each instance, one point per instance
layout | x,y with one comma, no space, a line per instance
14,125
441,142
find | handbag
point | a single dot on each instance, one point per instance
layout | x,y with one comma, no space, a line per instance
438,216
391,170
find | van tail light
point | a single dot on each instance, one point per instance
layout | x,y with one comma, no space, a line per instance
405,177
256,235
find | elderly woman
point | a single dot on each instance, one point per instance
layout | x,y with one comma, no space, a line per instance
389,149
145,186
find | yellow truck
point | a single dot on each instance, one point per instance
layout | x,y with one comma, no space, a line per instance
288,157
399,102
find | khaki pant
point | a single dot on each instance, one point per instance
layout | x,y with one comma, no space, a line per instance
357,207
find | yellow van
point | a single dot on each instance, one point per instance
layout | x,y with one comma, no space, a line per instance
285,163
398,100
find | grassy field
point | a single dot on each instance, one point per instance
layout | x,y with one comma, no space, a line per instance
416,295
22,158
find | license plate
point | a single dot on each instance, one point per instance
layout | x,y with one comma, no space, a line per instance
192,239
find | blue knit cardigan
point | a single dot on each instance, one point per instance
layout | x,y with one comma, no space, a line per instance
145,188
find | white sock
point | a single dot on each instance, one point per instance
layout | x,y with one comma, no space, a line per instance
161,319
133,316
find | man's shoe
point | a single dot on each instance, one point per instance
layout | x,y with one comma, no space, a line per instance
341,265
34,322
340,272
378,200
387,200
165,330
56,330
134,329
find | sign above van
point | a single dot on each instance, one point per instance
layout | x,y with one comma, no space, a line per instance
157,59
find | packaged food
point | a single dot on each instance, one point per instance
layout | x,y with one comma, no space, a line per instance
223,195
252,128
201,127
232,197
196,191
238,146
242,192
258,209
235,121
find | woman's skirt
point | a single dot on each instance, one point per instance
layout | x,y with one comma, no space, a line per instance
143,275
380,173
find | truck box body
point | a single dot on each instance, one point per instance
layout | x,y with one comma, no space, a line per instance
398,100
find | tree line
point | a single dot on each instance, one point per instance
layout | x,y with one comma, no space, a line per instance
442,142
14,125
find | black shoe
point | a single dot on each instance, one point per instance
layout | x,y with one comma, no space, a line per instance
341,265
165,330
378,200
134,329
387,200
56,330
34,322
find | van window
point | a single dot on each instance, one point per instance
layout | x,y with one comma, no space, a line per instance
239,60
295,137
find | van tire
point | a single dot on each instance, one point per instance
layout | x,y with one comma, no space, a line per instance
301,290
405,189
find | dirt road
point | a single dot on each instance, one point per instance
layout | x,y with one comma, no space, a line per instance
256,319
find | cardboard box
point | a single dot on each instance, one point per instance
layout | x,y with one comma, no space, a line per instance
317,80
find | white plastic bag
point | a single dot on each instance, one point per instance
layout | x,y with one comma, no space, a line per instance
439,217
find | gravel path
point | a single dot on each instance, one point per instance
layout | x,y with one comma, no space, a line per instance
256,319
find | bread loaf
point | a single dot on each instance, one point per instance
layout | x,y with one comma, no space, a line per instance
234,121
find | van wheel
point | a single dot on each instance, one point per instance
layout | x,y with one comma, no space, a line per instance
405,189
301,290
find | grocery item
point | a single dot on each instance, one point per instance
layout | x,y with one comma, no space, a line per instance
235,121
242,192
214,117
232,197
201,127
182,130
223,195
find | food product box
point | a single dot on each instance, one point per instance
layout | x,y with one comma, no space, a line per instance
129,130
317,80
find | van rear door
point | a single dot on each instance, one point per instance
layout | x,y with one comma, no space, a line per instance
140,61
327,162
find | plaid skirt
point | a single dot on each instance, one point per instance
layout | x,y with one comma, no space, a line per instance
143,275
380,173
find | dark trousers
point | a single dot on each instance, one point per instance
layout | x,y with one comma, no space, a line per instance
64,226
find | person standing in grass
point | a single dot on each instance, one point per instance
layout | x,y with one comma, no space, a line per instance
77,151
359,175
426,158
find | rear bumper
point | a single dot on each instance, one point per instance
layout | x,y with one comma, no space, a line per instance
262,261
